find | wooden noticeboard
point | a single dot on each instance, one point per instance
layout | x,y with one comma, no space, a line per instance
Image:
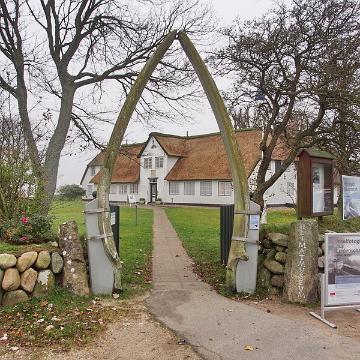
315,188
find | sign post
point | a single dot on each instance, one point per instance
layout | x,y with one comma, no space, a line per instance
340,285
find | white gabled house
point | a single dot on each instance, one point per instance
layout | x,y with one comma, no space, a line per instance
188,170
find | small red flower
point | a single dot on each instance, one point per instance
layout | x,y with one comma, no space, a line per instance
23,238
24,220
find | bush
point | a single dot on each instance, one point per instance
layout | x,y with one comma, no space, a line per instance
71,192
27,229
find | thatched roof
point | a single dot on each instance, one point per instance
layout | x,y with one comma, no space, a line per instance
127,165
204,157
201,157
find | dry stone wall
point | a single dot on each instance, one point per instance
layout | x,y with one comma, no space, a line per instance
273,253
31,274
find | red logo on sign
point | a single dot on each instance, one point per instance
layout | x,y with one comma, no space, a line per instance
332,293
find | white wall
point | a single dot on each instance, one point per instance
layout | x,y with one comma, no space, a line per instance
153,149
85,184
283,191
197,198
279,194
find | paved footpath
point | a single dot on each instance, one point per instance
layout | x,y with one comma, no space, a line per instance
219,328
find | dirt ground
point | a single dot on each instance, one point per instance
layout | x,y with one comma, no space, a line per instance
140,337
135,337
347,321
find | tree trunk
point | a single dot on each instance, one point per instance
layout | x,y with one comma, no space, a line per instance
238,172
56,144
112,151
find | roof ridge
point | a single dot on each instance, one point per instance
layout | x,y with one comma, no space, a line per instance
199,135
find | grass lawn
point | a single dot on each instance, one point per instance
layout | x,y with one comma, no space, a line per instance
199,231
135,242
279,220
74,319
61,320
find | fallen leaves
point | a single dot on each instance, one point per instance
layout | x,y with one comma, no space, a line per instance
248,348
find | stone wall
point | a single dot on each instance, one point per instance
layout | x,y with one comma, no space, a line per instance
273,251
30,274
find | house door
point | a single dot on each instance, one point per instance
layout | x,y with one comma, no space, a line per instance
153,192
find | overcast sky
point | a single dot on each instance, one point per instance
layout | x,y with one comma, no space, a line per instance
72,167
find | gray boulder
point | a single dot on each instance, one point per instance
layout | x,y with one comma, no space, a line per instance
1,279
57,263
11,280
279,239
280,248
266,243
320,252
28,279
300,285
26,260
43,260
271,254
321,262
274,291
14,297
74,277
277,280
281,257
274,266
263,278
7,261
45,283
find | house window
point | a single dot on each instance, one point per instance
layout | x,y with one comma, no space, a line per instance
159,162
89,189
113,188
269,167
148,163
205,188
92,170
224,188
123,188
134,188
173,188
277,165
189,188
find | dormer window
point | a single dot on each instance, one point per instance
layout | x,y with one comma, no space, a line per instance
92,170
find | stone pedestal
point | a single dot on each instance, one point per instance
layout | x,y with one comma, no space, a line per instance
74,272
301,281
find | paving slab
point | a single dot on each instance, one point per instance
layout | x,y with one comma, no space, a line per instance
220,328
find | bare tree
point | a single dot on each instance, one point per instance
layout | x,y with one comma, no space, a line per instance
63,47
15,169
290,64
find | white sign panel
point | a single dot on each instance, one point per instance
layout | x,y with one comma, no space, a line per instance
254,222
131,199
113,218
351,196
342,269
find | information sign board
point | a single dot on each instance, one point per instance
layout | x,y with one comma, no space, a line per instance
351,196
113,218
254,222
342,269
131,199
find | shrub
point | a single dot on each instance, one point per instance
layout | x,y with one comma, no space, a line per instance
26,229
71,192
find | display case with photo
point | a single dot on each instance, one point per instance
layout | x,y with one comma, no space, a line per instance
315,183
